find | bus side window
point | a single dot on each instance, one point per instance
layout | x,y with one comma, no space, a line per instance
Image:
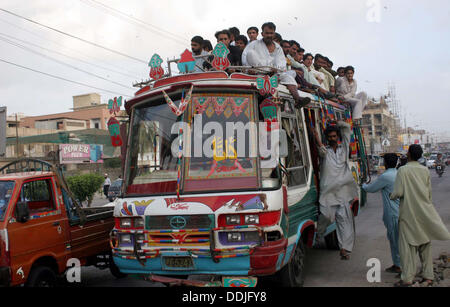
295,160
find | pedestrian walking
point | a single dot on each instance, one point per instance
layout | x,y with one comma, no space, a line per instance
338,188
385,184
419,222
106,185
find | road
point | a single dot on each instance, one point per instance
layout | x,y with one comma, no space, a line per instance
323,268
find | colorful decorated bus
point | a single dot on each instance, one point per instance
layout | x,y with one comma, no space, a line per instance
221,177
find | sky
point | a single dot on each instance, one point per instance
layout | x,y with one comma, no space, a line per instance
397,42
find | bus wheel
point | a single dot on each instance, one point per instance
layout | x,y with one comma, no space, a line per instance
292,274
332,241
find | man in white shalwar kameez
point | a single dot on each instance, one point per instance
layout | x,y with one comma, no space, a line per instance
419,222
338,188
267,53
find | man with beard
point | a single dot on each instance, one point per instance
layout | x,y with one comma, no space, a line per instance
268,54
419,222
337,186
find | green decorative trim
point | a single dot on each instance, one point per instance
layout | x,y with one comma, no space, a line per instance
306,209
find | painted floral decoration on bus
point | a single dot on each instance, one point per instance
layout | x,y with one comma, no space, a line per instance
220,53
266,85
156,71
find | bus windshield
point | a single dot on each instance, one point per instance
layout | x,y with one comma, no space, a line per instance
218,138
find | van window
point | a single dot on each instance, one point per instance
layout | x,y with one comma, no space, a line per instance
39,196
6,190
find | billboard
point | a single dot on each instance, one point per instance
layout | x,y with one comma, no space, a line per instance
80,153
2,131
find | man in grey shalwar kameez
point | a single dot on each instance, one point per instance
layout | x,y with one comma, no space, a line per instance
337,187
419,223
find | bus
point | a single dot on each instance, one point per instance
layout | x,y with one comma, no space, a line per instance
204,193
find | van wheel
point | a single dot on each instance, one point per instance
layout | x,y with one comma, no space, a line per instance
292,274
331,241
42,277
115,270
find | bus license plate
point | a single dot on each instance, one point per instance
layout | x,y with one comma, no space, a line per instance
177,263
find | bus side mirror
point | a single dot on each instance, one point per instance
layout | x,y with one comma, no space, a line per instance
284,151
22,212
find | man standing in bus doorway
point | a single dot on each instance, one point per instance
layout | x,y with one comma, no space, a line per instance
338,188
419,222
385,184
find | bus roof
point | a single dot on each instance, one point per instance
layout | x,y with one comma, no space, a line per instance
216,79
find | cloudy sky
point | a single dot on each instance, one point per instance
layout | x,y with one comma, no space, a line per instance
397,42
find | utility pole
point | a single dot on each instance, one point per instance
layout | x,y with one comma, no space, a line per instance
17,138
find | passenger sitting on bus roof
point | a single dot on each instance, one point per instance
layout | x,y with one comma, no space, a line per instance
234,34
341,72
266,53
252,33
294,53
286,47
197,50
329,81
347,87
329,67
241,42
305,86
207,46
309,69
278,38
235,53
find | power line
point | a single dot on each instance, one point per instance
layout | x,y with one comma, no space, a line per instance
65,55
64,47
59,62
75,37
157,30
61,78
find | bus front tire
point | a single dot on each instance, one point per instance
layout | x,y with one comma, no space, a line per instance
292,274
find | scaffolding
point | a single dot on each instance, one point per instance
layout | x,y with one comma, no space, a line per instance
396,128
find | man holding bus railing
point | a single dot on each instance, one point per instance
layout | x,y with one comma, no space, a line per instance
337,186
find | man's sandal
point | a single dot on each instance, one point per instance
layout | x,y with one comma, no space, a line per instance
426,282
402,284
345,255
393,269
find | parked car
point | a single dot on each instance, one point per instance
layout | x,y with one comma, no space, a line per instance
42,227
114,190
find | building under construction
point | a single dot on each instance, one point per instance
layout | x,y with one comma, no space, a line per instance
382,124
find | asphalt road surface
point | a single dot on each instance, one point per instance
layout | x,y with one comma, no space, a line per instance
323,268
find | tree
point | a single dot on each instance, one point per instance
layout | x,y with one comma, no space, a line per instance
84,187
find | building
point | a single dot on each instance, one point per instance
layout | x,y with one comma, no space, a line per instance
37,136
87,113
382,130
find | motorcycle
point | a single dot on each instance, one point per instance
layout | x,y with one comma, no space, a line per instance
439,170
